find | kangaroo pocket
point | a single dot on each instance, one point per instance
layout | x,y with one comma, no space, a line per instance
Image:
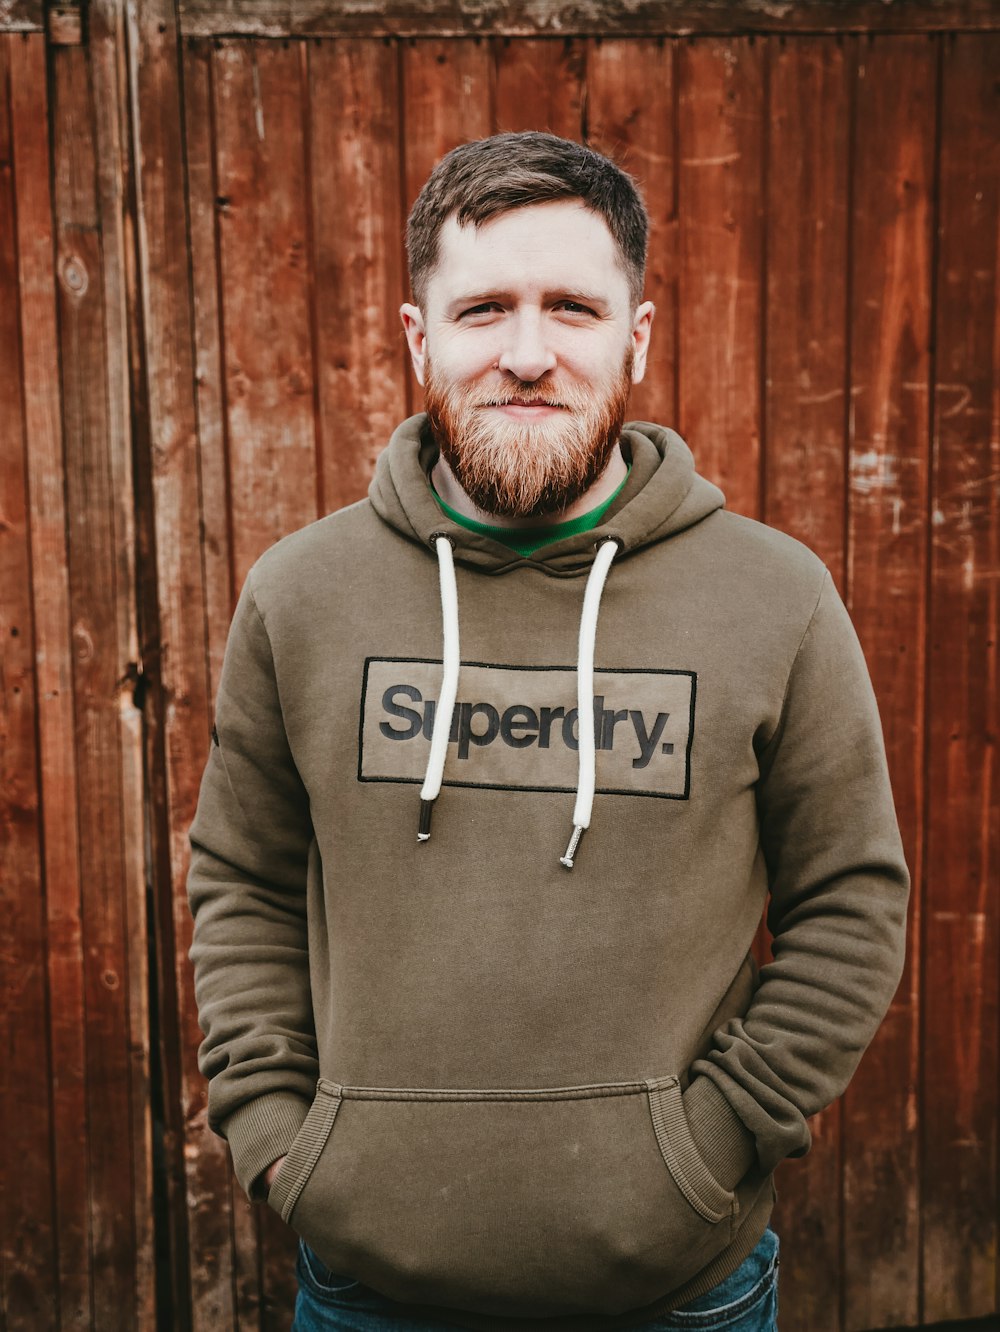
545,1201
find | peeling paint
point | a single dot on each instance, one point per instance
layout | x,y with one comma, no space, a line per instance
874,471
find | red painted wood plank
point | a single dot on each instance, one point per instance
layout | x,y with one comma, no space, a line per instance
181,466
539,85
961,1205
891,281
28,1292
720,91
111,120
99,684
53,671
448,98
356,173
805,376
631,117
266,294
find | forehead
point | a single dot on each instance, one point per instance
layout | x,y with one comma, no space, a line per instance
539,247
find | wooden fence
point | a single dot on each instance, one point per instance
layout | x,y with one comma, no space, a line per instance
201,259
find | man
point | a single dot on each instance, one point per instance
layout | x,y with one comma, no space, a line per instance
516,1061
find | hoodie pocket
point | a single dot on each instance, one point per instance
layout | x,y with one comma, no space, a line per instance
532,1202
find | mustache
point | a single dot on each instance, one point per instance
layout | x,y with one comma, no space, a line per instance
535,399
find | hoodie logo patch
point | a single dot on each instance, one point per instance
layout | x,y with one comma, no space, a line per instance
516,727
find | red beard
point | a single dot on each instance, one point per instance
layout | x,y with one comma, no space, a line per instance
532,469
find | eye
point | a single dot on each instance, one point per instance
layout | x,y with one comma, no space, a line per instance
485,308
574,307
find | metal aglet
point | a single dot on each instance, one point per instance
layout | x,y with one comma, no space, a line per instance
574,842
424,831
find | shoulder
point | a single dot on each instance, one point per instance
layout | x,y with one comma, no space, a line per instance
316,550
766,555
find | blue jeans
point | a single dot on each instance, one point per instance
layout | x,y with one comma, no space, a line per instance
745,1301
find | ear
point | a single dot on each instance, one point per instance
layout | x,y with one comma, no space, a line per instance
642,326
416,338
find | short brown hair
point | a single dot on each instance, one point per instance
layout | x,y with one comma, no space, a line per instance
481,179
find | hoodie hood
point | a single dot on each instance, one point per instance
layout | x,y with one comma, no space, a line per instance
662,496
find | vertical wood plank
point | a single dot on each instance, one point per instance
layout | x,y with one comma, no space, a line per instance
539,84
102,689
106,36
721,118
356,183
960,1203
266,293
805,377
891,245
175,521
53,673
28,1290
448,95
631,117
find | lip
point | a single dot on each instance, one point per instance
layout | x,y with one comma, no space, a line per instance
521,411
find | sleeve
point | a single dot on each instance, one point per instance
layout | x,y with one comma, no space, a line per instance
250,845
839,889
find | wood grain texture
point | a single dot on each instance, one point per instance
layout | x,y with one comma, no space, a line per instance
183,639
97,451
631,116
214,301
540,85
805,373
52,665
266,294
355,173
519,18
106,39
29,1296
892,193
961,1206
720,269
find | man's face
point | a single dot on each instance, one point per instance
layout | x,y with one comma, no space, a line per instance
527,349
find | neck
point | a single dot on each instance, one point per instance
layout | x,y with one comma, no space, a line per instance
445,483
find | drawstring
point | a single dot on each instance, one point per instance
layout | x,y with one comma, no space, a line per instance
587,746
449,687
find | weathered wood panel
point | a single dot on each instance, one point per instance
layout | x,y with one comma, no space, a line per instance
805,369
891,281
22,15
630,116
52,665
720,87
450,18
266,293
962,907
355,170
540,86
796,186
29,1296
99,1021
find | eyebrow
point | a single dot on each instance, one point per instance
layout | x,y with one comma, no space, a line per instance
557,293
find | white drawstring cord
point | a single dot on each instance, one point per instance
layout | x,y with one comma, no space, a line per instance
449,686
587,749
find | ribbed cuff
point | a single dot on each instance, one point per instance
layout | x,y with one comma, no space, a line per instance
724,1142
258,1133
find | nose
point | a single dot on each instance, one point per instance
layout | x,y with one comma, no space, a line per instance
527,353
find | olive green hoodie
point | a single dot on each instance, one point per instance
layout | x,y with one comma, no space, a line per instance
508,1088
